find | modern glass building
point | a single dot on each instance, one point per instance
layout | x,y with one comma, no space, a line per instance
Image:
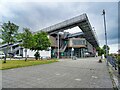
65,45
70,45
77,44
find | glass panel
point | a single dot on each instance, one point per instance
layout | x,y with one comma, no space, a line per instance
79,42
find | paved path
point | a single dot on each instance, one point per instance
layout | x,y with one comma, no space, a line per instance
81,73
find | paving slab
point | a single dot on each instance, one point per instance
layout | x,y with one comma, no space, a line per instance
67,73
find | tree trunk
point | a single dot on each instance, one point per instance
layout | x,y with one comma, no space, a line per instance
5,58
39,57
6,52
10,57
25,54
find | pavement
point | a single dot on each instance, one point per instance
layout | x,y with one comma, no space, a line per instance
80,73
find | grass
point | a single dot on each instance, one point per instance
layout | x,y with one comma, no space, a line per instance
21,63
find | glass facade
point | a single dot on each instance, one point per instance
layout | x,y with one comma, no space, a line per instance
79,42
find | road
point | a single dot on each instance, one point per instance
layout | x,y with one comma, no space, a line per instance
80,73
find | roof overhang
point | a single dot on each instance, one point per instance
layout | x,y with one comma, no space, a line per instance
81,21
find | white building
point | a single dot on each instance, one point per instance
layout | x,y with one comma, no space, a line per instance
16,49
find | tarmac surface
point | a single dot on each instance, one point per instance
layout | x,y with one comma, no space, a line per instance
80,73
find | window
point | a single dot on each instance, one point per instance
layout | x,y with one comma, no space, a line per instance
78,42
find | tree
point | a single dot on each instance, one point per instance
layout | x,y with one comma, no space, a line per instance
41,42
9,33
104,48
27,40
100,51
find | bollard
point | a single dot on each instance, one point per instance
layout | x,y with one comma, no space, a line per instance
74,57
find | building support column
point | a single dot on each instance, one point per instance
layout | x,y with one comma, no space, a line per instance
81,53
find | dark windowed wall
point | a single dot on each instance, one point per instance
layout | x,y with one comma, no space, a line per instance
79,42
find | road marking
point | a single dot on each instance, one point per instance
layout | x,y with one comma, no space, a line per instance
57,74
77,79
94,77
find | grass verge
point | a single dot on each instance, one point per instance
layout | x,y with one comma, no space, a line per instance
21,63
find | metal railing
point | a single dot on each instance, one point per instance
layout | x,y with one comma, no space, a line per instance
65,23
112,61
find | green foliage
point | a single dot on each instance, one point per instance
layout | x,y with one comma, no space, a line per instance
27,38
41,42
19,36
104,48
9,32
118,58
37,55
100,51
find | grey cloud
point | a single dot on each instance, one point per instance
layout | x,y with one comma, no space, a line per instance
37,15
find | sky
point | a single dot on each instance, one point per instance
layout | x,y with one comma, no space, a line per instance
36,15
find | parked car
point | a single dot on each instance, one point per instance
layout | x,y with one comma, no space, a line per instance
45,57
2,55
87,54
18,57
92,55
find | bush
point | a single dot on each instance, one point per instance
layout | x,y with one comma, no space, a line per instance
37,55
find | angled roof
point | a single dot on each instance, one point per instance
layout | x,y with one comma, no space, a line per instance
81,21
3,46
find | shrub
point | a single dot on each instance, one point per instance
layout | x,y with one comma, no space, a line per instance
37,55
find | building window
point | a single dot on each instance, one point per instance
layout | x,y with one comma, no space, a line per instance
78,42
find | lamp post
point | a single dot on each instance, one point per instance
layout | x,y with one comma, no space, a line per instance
105,35
58,42
72,52
58,46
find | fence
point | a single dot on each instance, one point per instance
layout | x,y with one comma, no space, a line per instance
114,63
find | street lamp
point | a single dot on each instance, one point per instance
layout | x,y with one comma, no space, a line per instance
58,46
105,35
58,42
72,50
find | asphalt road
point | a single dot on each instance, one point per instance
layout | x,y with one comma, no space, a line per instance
80,73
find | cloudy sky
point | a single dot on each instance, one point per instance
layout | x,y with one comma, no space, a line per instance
37,15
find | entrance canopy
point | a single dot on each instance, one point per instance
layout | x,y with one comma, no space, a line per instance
81,21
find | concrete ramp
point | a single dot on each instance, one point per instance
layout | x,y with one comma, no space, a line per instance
81,21
67,24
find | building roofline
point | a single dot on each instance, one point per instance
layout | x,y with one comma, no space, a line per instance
81,21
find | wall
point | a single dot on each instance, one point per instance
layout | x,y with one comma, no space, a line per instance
31,53
53,41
